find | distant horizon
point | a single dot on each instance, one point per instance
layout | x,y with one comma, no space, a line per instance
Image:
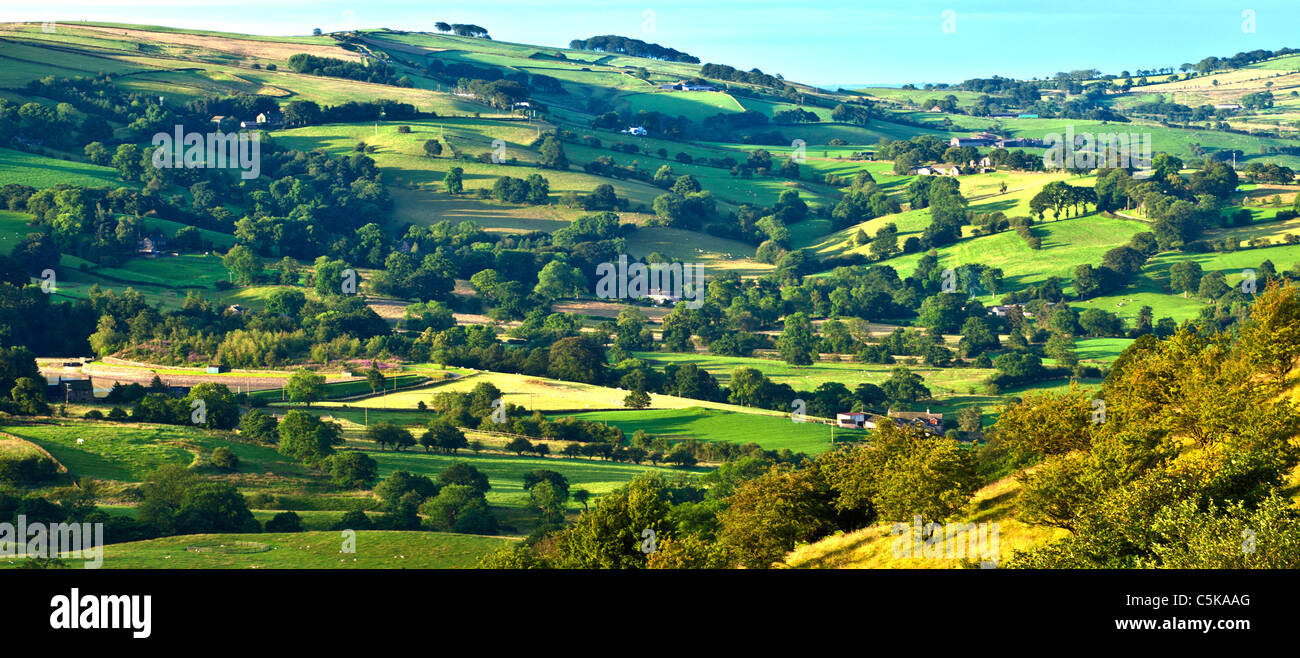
821,45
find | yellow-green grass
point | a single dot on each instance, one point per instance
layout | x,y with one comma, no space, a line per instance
127,453
199,371
11,448
729,189
169,227
356,387
304,39
1152,287
19,53
714,253
694,105
402,157
942,381
875,547
13,227
1066,244
1263,224
919,96
42,171
422,207
506,472
375,549
769,432
542,394
183,271
983,190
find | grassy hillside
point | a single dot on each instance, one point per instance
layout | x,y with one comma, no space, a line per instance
305,550
880,546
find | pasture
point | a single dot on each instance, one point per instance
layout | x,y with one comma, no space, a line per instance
375,549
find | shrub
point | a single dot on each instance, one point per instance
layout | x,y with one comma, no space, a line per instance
223,459
284,522
27,469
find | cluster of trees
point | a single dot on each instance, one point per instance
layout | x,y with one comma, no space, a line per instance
367,70
501,94
611,43
462,29
1176,470
752,511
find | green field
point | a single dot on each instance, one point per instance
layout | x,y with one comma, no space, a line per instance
506,472
305,550
769,432
128,453
42,171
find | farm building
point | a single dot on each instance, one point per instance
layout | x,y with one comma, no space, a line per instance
938,170
686,86
216,369
270,119
923,419
978,139
1227,106
855,420
660,297
71,390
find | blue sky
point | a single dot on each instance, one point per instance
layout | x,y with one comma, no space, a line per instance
823,42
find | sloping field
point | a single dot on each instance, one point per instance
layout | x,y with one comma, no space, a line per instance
886,545
375,549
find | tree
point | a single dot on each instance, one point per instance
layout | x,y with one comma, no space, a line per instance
558,280
127,161
243,264
260,426
375,379
1047,423
353,470
977,338
770,514
904,387
519,445
209,507
304,386
459,508
220,411
637,399
399,484
432,147
556,480
443,435
463,473
581,496
1185,276
551,154
385,433
611,534
548,501
29,397
577,359
284,522
797,343
453,180
306,437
